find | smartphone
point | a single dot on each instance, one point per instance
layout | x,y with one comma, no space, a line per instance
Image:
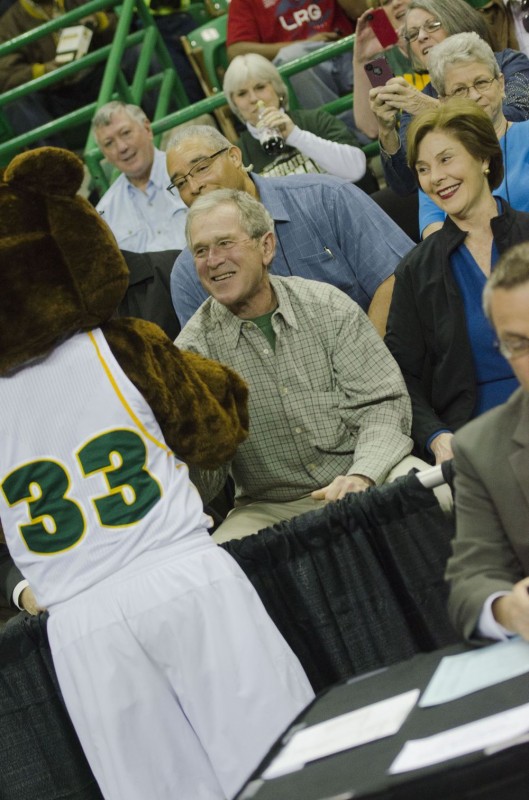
378,71
382,27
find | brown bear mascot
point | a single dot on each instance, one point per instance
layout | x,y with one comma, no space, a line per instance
175,678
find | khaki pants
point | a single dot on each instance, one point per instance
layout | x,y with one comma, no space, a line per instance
251,517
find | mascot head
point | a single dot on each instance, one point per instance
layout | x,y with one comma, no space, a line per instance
61,270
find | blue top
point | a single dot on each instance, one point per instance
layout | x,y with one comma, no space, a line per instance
494,376
145,221
327,230
515,68
515,186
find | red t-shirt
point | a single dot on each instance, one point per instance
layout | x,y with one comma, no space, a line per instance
271,21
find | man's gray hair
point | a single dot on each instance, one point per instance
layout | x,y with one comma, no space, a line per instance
511,271
252,67
462,48
254,219
207,133
105,113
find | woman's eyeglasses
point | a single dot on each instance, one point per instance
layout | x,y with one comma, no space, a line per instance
513,347
430,26
481,86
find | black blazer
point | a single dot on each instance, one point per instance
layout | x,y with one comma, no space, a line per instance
427,331
148,295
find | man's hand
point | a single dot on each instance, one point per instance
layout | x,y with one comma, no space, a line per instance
512,610
441,447
27,601
341,486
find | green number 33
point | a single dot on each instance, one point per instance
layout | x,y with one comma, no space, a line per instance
58,522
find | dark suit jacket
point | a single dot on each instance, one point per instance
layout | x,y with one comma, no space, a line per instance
491,548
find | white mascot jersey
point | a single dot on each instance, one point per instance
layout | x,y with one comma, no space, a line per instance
87,481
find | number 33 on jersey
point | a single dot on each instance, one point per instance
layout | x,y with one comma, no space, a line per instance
57,521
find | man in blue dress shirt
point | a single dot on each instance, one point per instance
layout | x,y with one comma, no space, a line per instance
142,215
327,229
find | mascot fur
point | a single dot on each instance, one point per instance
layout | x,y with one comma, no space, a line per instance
175,678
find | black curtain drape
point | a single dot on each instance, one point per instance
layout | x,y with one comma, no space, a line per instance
358,584
352,587
41,758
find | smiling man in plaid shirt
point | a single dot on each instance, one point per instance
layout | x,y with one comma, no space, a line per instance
329,411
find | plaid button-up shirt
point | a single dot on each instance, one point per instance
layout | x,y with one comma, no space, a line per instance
329,401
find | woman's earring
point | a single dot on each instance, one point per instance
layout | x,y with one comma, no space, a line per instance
486,171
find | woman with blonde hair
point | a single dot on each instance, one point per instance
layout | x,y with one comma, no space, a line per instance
437,330
314,140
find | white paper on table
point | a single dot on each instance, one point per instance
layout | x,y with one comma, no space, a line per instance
419,753
457,676
367,724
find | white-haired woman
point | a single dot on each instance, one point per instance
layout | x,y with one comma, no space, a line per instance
315,140
465,66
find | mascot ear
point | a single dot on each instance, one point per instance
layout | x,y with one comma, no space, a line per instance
47,170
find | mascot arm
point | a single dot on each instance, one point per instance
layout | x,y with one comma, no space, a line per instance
200,405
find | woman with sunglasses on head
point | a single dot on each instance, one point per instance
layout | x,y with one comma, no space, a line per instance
437,330
429,22
464,66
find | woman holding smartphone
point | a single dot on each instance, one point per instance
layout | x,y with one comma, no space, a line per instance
427,23
437,330
464,66
368,47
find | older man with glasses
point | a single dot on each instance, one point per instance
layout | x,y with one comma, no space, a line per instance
327,229
489,569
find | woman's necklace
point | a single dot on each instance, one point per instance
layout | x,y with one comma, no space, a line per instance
505,170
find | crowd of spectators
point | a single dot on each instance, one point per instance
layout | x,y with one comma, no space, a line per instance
362,346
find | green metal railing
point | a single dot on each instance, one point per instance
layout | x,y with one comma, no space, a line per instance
93,156
114,84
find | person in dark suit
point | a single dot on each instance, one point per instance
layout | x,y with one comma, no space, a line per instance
489,569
